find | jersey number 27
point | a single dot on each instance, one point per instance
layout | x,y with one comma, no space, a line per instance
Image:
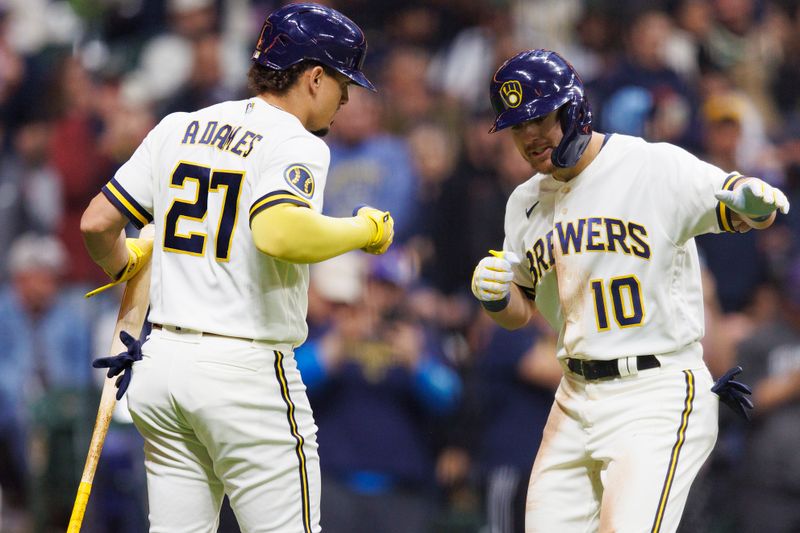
226,181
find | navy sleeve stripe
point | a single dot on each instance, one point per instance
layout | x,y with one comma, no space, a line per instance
123,201
269,203
275,195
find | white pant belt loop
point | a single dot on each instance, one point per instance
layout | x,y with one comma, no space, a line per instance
627,366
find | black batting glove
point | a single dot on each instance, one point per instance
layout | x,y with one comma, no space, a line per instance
734,393
122,363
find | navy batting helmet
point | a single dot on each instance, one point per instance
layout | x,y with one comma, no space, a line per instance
311,31
535,83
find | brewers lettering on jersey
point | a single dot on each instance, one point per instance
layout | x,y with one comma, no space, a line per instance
235,192
600,241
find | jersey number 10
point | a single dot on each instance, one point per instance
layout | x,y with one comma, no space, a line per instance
229,183
628,311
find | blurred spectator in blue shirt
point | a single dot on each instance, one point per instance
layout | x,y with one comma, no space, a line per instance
369,166
379,385
45,376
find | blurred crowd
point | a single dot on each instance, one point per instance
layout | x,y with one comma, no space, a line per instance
429,415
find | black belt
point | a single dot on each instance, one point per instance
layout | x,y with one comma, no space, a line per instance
608,369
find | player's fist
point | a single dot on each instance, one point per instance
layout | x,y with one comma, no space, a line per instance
755,199
491,281
382,225
139,253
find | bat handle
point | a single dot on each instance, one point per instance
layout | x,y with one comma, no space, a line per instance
78,510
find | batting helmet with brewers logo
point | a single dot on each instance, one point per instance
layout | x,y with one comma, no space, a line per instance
535,83
300,32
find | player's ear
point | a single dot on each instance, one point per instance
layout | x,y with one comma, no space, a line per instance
315,75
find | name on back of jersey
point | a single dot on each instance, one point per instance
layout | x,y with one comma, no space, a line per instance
593,234
222,137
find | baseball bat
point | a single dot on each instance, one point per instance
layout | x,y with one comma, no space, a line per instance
132,312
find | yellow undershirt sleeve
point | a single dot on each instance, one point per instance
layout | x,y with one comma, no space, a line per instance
301,235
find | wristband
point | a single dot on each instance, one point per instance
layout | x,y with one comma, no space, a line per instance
494,306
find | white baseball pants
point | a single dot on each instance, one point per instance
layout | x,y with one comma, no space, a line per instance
619,455
222,415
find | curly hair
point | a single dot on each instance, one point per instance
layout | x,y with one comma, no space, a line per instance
261,79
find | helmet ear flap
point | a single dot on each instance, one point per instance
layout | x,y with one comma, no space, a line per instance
567,114
576,121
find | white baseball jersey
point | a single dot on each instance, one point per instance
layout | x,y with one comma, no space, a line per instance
202,177
609,256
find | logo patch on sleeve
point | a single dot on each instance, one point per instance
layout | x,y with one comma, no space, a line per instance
299,177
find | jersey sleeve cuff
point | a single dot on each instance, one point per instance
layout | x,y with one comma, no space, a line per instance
724,213
129,207
275,198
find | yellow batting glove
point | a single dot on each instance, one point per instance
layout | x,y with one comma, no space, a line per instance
491,280
139,253
383,224
755,199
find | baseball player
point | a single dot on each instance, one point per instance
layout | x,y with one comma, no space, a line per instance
235,191
600,241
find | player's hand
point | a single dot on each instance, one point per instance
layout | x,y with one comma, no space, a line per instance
139,252
491,281
734,393
383,227
755,199
122,363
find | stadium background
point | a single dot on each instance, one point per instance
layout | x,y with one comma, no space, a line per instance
81,83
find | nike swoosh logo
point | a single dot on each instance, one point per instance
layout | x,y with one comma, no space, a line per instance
530,210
